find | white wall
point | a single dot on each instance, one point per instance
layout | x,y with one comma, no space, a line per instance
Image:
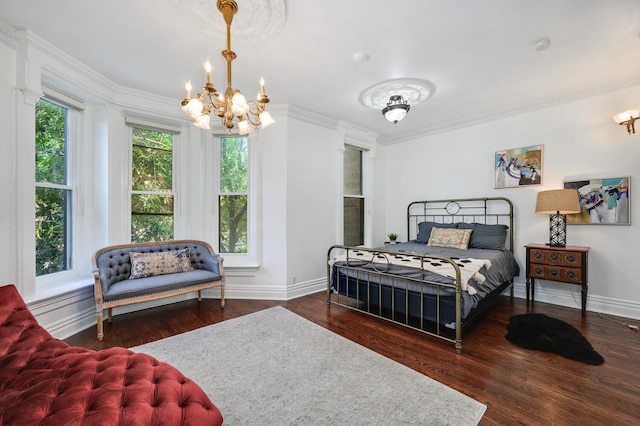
8,159
580,140
296,208
312,188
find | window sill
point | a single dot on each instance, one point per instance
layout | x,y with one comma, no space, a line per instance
60,283
240,270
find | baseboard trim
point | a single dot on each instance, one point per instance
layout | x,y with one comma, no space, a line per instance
306,288
67,314
572,298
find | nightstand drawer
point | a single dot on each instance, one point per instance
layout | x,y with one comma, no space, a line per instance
551,257
555,273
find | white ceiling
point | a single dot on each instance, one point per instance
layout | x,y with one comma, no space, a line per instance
480,54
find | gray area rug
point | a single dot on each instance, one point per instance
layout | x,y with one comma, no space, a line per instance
274,367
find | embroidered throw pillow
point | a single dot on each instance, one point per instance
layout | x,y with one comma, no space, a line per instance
451,238
159,263
424,230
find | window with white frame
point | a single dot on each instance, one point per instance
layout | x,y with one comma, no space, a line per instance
353,197
54,191
233,195
152,194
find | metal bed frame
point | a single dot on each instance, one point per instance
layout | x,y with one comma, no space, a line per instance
495,210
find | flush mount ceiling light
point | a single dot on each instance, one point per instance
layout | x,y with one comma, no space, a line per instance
395,97
396,109
628,118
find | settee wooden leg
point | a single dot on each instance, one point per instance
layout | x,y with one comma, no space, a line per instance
199,295
109,314
100,325
222,295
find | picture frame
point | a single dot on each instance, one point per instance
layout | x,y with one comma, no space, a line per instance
518,167
602,201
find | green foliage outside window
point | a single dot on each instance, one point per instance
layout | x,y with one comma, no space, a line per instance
52,198
152,216
234,184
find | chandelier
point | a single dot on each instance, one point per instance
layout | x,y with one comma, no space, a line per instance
230,105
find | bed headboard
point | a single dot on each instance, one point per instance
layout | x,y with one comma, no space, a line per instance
488,211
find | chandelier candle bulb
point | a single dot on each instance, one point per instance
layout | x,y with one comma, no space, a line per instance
262,93
208,68
188,87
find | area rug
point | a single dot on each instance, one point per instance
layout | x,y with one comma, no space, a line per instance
543,333
274,367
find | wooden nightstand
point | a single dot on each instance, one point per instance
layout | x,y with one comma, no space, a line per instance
564,264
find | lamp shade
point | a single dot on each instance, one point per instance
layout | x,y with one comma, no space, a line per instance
558,201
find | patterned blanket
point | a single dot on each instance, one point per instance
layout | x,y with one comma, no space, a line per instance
469,267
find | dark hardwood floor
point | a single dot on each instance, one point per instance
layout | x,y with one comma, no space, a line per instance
519,387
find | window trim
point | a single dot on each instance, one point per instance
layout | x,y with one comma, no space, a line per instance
361,195
73,276
239,262
136,122
368,149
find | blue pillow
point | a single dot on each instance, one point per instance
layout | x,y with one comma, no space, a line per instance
424,230
490,237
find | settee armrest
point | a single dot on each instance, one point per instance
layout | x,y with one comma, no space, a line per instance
214,264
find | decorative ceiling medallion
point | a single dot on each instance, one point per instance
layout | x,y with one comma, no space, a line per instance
255,21
413,90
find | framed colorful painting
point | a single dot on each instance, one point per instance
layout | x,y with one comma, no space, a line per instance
602,201
517,167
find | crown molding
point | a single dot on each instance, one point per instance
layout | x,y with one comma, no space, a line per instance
64,72
449,126
8,35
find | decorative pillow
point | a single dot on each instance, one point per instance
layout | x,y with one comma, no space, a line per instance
451,238
490,237
159,263
424,230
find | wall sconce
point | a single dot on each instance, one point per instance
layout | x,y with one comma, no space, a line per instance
628,118
558,203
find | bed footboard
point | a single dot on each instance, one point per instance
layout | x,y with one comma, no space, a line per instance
375,282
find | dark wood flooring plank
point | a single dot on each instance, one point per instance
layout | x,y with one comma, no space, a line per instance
519,387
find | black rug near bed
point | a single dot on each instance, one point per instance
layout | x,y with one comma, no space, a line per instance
543,333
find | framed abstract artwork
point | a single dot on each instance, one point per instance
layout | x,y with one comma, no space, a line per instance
602,201
517,167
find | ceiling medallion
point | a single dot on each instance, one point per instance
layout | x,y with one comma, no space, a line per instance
255,22
412,90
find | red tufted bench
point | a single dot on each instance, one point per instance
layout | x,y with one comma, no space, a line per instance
45,381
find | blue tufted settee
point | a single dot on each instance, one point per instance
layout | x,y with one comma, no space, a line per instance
160,269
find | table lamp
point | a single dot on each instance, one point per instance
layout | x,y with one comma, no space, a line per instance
558,203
